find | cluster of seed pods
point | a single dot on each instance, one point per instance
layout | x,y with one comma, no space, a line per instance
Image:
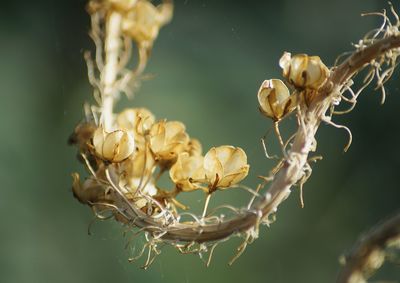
305,74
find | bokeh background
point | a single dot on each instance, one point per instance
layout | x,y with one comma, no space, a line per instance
207,66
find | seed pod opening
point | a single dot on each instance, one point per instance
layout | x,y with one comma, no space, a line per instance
304,71
186,170
115,146
275,100
138,120
225,166
144,21
168,139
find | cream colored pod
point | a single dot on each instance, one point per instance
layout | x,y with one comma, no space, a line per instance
122,5
115,146
187,171
143,196
275,100
144,21
304,71
139,120
194,147
168,139
225,166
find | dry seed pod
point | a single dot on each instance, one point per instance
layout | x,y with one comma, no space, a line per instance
275,100
186,171
82,134
115,146
139,120
122,5
194,147
142,164
140,198
304,71
144,21
225,166
90,192
168,139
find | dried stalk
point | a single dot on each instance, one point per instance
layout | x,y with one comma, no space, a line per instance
368,255
109,75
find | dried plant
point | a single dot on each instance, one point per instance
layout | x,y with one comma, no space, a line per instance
127,153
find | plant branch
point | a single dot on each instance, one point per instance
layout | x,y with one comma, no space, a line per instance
367,254
293,167
109,74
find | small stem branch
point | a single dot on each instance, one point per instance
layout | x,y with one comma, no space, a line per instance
206,205
360,259
110,71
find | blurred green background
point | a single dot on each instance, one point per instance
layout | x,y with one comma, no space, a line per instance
207,66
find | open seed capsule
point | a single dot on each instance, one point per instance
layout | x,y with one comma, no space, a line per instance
115,146
186,171
168,139
225,166
275,100
304,71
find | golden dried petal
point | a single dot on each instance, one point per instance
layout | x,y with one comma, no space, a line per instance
234,178
186,170
212,166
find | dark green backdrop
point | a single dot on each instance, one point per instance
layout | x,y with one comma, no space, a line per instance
208,64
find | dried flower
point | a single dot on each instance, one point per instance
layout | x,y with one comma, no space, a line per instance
140,197
225,166
304,71
142,164
115,146
275,100
90,192
168,139
138,120
144,21
194,147
122,5
186,171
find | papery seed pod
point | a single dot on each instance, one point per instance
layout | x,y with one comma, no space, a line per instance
123,6
167,140
186,172
90,191
138,120
225,166
194,147
275,100
140,196
304,71
142,164
82,134
115,146
144,21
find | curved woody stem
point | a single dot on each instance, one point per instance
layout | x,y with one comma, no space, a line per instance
293,166
367,255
